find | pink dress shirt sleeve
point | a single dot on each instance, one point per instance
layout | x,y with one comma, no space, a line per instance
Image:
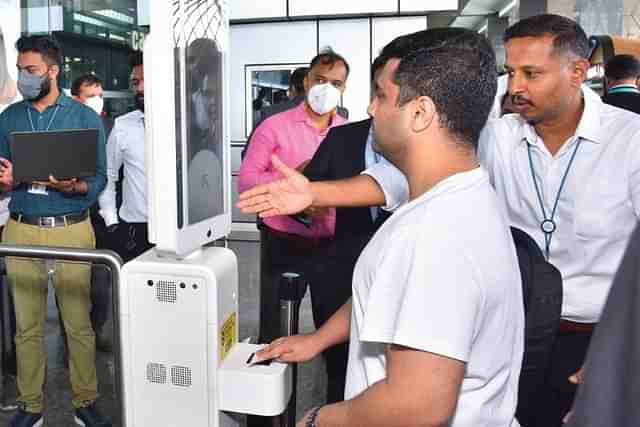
256,167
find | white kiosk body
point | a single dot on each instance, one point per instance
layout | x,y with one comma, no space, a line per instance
181,360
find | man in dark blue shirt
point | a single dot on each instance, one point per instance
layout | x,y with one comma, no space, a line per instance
53,213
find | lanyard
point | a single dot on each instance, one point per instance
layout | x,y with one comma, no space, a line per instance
623,89
33,128
548,225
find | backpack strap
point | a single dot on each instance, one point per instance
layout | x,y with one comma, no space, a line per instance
542,294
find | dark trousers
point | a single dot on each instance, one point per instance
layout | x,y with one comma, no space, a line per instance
100,277
129,239
279,254
329,281
330,289
554,400
7,329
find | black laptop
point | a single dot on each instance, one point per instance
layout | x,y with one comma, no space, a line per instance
63,154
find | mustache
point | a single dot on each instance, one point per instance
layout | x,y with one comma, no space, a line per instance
520,100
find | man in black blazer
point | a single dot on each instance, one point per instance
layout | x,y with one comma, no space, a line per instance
345,152
621,75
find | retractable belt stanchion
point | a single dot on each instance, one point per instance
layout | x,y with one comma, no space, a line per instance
292,290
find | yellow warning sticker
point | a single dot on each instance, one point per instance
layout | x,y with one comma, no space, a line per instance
228,334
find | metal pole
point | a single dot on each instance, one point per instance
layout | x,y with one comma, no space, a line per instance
95,256
292,290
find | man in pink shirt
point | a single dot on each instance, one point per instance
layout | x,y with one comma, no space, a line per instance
289,244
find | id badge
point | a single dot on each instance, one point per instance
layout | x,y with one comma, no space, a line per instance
38,189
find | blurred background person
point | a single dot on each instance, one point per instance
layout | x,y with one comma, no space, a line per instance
127,225
621,74
87,89
8,90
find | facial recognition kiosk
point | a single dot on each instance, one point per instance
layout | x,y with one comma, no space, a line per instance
181,359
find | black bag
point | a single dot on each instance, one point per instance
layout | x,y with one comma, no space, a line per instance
542,293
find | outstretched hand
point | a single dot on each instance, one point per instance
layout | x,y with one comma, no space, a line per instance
287,196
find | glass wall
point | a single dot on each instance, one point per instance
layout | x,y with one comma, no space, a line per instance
96,36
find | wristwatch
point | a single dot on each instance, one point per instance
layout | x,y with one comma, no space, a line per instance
311,419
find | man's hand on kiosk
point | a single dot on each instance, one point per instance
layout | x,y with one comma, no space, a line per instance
283,197
296,348
6,174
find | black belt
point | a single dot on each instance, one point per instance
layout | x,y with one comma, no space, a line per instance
50,221
569,326
297,241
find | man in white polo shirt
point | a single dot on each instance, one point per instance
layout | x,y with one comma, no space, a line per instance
567,168
436,321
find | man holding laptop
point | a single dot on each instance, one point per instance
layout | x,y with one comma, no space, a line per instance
51,213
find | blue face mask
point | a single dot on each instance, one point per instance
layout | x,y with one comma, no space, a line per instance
33,87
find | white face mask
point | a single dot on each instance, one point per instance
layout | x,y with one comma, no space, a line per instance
323,98
96,103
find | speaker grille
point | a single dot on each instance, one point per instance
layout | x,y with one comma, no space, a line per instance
166,291
181,376
156,373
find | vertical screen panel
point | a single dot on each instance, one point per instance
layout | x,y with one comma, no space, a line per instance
350,38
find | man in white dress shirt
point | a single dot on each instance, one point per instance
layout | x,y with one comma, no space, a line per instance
127,228
567,169
436,321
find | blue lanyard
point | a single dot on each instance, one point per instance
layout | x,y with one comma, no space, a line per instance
33,128
623,89
548,225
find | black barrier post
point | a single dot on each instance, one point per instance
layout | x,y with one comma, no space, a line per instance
292,290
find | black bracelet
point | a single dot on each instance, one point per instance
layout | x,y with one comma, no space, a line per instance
311,419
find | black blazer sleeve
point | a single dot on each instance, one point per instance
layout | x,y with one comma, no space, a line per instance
319,168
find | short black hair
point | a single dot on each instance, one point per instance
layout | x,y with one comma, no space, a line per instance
296,79
329,57
85,79
568,36
621,67
45,46
456,68
135,59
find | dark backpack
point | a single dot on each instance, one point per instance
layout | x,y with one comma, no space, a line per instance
542,294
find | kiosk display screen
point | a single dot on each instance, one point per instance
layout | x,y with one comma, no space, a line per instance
199,122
